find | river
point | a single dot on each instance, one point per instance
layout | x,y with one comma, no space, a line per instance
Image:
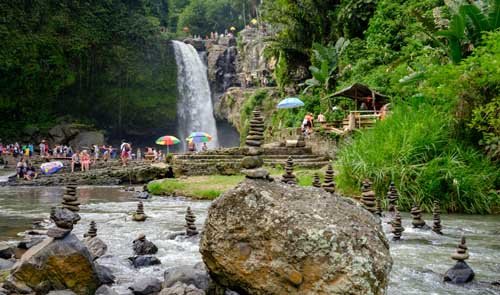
417,259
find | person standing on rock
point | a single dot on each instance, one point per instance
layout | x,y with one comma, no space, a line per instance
139,154
125,151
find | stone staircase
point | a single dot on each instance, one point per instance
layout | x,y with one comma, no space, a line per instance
227,161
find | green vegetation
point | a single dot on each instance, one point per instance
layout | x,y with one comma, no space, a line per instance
438,63
93,62
99,62
198,187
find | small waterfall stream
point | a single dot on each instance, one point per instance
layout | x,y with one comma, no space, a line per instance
194,107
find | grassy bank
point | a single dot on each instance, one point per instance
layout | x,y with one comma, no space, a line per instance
211,186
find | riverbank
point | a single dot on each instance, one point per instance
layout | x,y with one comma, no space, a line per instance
209,187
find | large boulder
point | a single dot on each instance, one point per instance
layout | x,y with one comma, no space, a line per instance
56,264
269,238
87,139
64,133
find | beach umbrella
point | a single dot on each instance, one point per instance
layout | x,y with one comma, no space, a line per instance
290,102
167,140
198,137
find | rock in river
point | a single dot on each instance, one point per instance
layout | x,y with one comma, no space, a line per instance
269,238
56,264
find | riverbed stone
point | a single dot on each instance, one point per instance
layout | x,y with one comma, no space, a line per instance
5,264
142,246
104,274
144,261
190,275
304,241
180,288
105,290
145,286
96,246
6,251
62,292
57,264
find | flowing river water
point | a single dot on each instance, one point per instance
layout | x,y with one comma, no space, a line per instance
418,259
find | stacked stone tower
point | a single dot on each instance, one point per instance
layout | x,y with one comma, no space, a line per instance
329,184
368,198
190,226
255,135
461,272
378,207
139,214
397,227
316,180
392,197
288,177
436,215
70,200
416,214
65,216
92,232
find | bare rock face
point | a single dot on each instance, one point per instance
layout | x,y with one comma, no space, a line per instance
270,238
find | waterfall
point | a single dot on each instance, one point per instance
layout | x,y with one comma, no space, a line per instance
194,107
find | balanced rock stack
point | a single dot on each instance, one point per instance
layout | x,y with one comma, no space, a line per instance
416,214
96,246
316,180
66,216
288,177
378,207
329,184
397,227
393,197
256,133
92,232
301,141
142,246
70,200
436,214
190,226
252,167
461,272
139,213
368,198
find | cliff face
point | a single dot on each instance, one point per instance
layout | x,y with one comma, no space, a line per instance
236,70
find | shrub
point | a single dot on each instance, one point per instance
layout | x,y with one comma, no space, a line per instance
413,148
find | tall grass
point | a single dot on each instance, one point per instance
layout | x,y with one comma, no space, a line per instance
413,147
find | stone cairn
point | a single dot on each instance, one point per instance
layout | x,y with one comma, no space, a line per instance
92,232
461,272
70,200
397,227
288,177
378,207
256,133
393,197
329,184
65,216
416,214
139,214
368,198
316,180
436,215
190,226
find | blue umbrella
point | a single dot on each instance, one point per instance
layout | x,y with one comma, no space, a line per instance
290,102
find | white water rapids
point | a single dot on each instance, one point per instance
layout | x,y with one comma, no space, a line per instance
194,107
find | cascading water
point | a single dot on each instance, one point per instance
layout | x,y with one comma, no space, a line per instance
194,107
